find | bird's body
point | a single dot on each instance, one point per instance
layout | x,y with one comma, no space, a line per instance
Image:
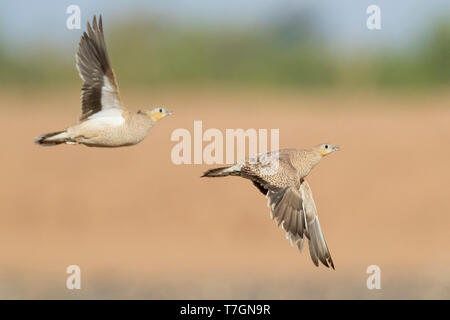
110,128
294,166
280,175
104,121
127,128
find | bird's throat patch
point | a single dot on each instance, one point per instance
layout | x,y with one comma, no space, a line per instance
157,116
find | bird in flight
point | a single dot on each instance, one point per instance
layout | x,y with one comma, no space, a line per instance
104,121
280,176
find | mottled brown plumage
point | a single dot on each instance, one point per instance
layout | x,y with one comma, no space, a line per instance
280,175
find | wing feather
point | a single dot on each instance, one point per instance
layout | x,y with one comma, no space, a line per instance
317,244
294,209
100,90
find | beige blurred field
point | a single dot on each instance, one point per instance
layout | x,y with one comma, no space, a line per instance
141,227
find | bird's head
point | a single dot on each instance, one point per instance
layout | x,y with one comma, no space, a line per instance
325,149
158,113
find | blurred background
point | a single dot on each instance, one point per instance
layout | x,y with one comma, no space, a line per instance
142,227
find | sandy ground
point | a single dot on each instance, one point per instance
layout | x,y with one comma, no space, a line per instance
141,227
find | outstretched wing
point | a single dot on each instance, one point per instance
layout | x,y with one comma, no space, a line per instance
100,90
294,209
317,245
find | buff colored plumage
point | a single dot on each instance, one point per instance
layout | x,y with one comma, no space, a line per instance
104,121
280,175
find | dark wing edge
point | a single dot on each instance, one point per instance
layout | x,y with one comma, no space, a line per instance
100,90
294,210
317,245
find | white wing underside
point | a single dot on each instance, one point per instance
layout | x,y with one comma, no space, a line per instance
109,96
109,117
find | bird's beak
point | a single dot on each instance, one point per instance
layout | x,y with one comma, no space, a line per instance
336,148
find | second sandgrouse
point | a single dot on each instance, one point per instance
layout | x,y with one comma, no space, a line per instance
280,175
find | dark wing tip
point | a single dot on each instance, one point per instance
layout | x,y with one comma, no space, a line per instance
100,23
95,28
331,263
316,262
89,29
88,23
94,22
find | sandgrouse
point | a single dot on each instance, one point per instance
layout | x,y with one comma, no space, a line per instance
104,121
280,175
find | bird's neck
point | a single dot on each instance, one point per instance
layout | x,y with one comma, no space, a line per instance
145,118
306,160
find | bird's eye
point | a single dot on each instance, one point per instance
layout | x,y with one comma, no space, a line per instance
160,110
326,146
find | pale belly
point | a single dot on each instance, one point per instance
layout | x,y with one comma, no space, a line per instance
98,134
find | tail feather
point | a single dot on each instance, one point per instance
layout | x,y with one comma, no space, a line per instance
221,172
51,139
